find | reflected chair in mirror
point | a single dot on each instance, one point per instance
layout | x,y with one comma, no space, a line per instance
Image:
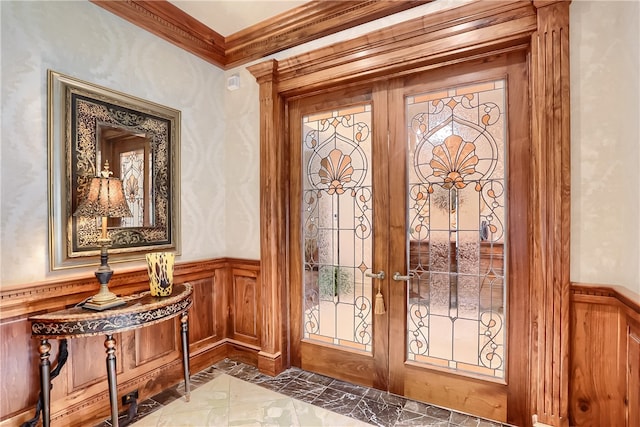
104,199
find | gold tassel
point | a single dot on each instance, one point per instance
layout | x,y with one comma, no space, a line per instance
379,302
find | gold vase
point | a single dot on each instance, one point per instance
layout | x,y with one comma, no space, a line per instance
160,269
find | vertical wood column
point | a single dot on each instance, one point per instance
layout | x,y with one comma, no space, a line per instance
272,359
550,299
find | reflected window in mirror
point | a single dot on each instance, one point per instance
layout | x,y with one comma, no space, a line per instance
129,153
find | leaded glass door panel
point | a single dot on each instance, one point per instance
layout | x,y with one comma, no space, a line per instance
339,246
457,204
423,178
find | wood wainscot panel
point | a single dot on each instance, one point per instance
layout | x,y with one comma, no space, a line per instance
204,315
18,370
157,341
245,310
605,357
85,366
633,373
245,320
148,360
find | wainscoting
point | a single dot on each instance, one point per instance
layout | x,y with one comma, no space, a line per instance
604,384
223,322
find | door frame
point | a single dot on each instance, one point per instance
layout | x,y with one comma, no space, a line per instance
474,30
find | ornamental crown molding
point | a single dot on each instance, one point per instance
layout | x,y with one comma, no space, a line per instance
299,25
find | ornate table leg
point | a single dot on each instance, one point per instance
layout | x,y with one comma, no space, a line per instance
110,345
45,381
184,319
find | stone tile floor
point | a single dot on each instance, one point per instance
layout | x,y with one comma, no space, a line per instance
235,394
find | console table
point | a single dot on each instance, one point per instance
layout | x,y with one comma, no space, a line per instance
140,310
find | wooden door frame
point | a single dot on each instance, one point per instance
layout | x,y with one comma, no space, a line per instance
474,30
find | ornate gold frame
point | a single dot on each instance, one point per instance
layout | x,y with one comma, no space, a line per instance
75,110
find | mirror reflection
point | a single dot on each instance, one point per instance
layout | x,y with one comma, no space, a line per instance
90,126
129,154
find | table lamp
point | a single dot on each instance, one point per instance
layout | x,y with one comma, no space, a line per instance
105,199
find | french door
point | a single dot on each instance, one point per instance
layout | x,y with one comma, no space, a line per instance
409,234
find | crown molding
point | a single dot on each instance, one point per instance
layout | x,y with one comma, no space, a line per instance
299,25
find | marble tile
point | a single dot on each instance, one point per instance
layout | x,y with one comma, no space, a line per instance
337,401
429,410
232,393
302,390
385,397
377,413
314,378
311,416
410,419
346,387
244,372
278,382
273,412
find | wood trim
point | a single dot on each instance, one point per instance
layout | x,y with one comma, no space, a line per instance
89,406
171,24
605,356
310,21
59,293
439,39
628,298
273,232
474,30
550,214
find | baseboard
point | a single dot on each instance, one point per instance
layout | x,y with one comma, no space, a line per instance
270,364
536,423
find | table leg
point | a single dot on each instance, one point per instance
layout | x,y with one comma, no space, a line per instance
184,319
110,345
45,381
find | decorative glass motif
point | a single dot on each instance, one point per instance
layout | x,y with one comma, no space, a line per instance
132,173
337,238
456,212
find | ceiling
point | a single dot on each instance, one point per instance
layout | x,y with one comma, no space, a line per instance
227,17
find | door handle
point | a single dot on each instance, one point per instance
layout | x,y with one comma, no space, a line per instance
400,278
379,275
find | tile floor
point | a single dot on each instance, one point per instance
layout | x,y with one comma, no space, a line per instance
235,394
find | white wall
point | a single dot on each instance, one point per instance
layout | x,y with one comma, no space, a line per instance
605,142
83,40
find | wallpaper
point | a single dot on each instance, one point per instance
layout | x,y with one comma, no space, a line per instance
220,154
84,41
605,143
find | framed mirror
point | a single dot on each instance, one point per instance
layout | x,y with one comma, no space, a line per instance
91,126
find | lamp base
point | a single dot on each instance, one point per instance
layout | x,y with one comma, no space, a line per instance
103,305
104,299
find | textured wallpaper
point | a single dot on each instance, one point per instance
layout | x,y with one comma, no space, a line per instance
605,142
220,131
82,40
